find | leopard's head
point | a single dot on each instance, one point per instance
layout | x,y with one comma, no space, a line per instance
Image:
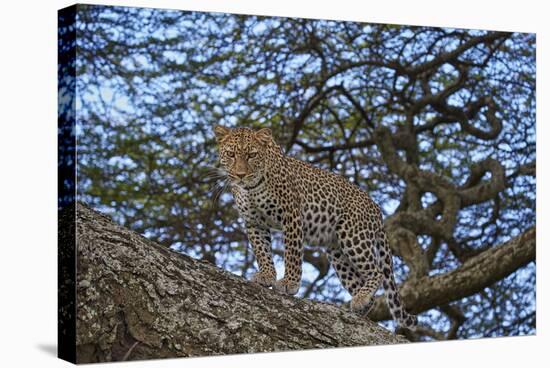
243,153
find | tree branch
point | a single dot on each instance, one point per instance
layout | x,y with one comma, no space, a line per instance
471,277
454,54
138,300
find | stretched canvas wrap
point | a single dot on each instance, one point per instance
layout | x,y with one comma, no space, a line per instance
237,184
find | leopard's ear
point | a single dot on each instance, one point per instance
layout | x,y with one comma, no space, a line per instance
221,132
264,136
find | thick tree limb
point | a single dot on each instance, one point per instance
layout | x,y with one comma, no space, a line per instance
425,181
477,191
137,300
473,276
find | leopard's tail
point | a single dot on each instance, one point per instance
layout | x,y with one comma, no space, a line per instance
398,312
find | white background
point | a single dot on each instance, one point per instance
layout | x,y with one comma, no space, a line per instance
28,164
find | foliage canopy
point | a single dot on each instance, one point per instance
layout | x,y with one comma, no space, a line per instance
438,125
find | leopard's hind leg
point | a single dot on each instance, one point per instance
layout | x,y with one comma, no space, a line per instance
358,271
349,277
358,244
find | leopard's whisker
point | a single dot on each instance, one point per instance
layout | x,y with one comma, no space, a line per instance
221,190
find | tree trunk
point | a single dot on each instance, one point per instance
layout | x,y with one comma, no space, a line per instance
139,300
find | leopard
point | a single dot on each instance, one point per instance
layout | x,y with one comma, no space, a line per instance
274,191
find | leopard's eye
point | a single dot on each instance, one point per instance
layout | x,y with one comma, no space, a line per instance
252,154
230,153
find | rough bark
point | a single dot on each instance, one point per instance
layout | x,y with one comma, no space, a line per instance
138,300
471,277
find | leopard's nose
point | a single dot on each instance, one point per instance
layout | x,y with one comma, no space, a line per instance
240,174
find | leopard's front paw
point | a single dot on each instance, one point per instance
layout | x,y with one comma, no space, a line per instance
287,286
263,279
361,303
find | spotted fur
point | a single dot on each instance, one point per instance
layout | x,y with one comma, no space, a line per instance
277,192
